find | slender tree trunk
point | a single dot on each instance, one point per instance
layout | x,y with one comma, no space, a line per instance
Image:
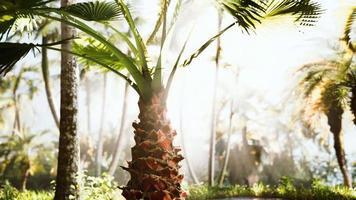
227,150
68,153
154,168
334,115
45,75
16,100
116,152
211,166
99,149
25,179
17,120
185,153
353,102
88,103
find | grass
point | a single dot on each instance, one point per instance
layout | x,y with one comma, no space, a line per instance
285,190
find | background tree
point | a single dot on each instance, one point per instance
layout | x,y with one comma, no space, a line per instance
334,82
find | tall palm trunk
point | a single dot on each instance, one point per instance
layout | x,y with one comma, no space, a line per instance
353,102
116,152
211,166
24,179
99,149
16,102
45,75
154,167
68,152
88,103
334,115
227,150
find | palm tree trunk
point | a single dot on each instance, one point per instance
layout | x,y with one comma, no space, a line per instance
68,152
16,100
116,153
154,168
211,166
353,102
189,165
25,179
334,115
227,150
99,150
87,96
45,74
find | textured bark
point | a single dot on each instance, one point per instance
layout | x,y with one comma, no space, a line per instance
45,75
116,151
154,167
353,102
68,153
99,149
334,115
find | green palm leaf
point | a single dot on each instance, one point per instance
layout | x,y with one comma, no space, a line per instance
246,12
98,52
305,11
11,53
347,32
95,11
161,15
12,10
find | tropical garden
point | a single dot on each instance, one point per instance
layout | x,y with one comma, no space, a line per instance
177,99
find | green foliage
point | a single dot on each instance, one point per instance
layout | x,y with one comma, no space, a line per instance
285,190
10,54
13,10
98,188
246,12
348,27
25,153
91,188
95,11
7,192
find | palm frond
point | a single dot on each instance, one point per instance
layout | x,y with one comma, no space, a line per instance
12,10
205,45
347,30
11,53
163,9
140,45
94,11
306,11
246,12
335,93
97,51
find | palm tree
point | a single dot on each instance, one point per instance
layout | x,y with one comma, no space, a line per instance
333,82
154,166
68,148
18,154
